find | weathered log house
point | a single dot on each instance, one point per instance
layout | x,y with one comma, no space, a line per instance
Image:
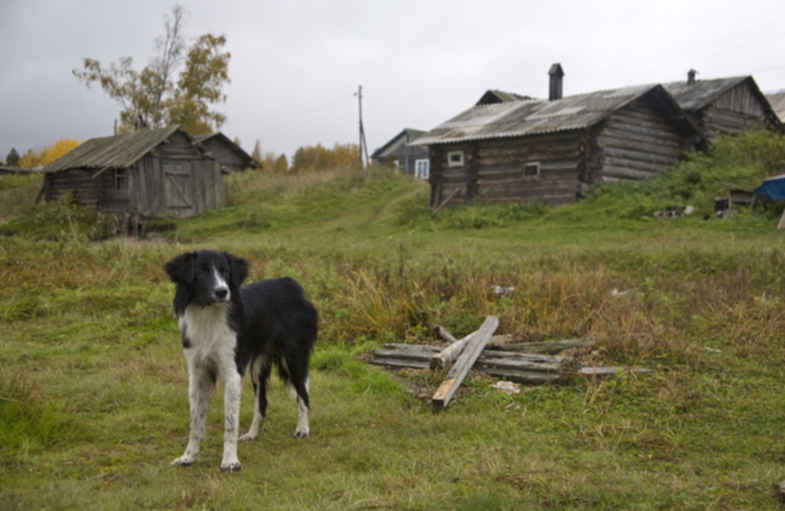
230,156
506,148
147,172
724,106
410,160
555,150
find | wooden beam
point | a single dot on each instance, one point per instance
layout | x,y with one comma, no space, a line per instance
464,363
545,346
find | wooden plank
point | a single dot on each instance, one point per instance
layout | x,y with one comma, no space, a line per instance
464,363
545,346
447,356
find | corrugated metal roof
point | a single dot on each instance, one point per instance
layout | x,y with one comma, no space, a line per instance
694,96
533,116
777,102
119,151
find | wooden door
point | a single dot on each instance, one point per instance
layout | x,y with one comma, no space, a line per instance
178,188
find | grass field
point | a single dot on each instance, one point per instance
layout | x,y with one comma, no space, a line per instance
93,402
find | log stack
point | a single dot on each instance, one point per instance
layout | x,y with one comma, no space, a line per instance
533,363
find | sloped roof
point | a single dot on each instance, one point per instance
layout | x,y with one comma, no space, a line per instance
250,162
499,96
537,116
694,96
119,151
777,102
409,132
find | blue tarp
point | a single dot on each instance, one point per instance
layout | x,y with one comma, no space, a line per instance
774,188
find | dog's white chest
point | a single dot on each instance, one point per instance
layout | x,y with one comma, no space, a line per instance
208,334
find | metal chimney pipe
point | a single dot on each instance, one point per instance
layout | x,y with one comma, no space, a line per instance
555,86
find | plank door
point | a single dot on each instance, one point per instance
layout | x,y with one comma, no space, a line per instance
178,188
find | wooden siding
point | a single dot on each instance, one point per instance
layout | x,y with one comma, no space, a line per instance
636,143
493,170
174,179
734,111
77,182
224,155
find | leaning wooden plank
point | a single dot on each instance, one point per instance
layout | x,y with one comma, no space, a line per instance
464,363
546,346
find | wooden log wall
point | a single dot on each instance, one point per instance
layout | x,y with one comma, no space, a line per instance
78,182
637,142
493,170
739,109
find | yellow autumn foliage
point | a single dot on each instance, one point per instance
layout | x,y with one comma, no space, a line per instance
48,154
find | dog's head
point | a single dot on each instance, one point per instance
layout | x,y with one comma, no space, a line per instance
207,277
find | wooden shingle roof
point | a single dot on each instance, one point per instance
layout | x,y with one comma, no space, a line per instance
119,151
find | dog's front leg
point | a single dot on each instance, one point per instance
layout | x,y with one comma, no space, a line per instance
199,386
232,391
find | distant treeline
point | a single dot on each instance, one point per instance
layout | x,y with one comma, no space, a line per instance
309,158
47,155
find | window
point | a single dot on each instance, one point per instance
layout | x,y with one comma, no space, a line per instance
531,170
421,168
455,159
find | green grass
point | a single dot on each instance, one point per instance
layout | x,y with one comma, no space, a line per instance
93,401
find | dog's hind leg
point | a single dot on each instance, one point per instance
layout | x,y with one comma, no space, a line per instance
200,383
260,372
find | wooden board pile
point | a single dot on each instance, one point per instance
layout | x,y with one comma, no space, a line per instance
535,362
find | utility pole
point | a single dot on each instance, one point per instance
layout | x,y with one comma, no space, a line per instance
363,145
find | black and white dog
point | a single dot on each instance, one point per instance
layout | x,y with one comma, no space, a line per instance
227,329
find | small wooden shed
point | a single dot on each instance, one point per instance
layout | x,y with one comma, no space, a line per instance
410,160
230,156
147,172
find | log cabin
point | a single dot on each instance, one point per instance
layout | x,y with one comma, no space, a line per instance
147,172
509,149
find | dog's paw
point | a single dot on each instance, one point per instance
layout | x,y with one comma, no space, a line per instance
231,467
301,432
183,461
247,437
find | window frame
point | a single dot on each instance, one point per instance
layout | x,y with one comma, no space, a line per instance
455,164
422,168
535,164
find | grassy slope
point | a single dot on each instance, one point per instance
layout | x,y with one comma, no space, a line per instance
93,402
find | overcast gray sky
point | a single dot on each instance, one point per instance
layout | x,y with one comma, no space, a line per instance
296,64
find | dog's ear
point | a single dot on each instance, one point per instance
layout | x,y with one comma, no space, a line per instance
181,268
239,269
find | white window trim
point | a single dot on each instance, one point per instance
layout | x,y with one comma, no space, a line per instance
451,163
531,176
422,168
